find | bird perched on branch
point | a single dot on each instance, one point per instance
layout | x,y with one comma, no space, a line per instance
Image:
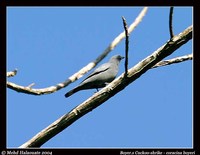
100,77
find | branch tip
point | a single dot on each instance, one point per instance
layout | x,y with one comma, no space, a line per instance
31,85
12,73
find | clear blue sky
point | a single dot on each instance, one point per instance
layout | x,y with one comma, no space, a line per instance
49,44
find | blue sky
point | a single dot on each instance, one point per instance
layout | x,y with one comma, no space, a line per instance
49,44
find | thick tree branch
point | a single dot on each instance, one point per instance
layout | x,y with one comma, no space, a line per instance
110,90
84,70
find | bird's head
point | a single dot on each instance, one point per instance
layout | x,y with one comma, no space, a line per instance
117,57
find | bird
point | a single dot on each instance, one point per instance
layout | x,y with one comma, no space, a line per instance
100,77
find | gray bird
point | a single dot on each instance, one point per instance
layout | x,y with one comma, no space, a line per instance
100,77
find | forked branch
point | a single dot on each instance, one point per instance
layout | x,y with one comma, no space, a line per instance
84,70
110,90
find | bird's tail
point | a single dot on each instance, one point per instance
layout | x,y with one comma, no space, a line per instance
71,92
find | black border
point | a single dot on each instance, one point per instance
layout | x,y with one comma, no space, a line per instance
107,151
3,75
99,3
196,77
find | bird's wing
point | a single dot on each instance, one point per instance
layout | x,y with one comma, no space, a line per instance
100,69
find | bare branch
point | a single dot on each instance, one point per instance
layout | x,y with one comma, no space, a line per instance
12,73
84,70
174,60
170,22
110,90
126,45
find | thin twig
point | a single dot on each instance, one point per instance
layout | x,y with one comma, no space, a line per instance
174,60
171,22
110,90
31,85
126,45
84,70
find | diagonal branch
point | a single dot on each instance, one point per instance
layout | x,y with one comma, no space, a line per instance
110,90
82,71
